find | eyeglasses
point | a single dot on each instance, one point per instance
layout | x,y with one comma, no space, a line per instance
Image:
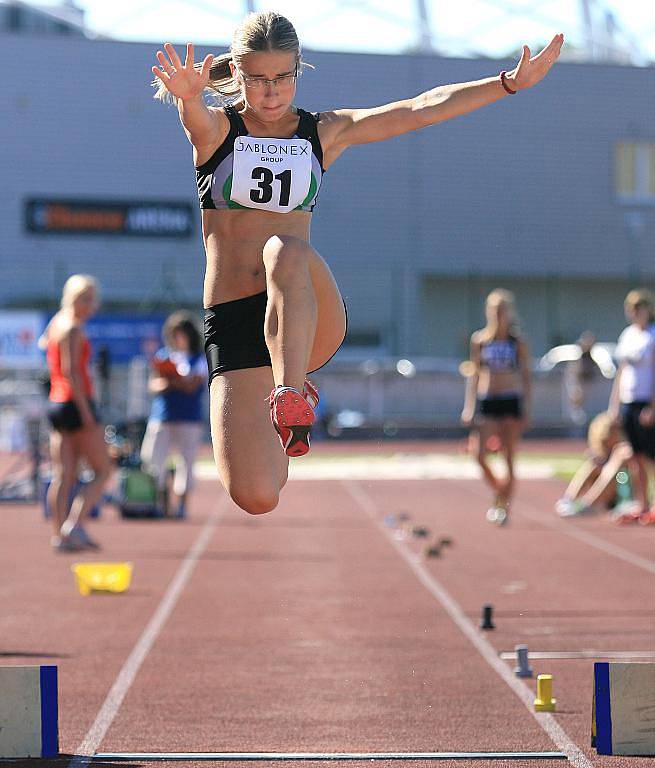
258,83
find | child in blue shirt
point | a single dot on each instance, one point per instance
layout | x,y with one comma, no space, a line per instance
177,417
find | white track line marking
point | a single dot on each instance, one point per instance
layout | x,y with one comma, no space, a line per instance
288,756
568,528
133,663
547,722
592,540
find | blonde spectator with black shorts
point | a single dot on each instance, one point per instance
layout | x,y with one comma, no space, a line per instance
77,433
633,394
497,400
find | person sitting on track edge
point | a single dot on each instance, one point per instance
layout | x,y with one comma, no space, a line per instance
594,484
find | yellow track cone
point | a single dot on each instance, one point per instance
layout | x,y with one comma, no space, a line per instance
102,577
544,701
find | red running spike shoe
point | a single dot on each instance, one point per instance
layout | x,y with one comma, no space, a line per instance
292,416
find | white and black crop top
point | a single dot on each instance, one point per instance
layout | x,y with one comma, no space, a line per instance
279,175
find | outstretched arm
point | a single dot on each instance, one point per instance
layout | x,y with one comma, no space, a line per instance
345,127
186,82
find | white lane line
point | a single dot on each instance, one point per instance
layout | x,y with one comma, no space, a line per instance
324,756
133,663
547,722
568,528
591,539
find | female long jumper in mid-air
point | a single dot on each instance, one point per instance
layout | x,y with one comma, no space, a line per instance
273,310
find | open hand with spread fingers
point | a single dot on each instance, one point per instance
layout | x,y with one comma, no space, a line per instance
184,81
529,71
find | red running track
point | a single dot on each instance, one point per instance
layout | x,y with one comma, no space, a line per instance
314,629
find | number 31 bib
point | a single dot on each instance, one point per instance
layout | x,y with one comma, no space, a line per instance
271,174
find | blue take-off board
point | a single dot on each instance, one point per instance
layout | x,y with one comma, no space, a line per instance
624,708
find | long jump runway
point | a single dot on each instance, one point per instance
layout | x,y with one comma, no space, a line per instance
317,629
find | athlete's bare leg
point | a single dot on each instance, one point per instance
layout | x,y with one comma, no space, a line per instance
250,460
583,480
64,457
509,433
604,488
305,316
641,482
90,444
487,429
291,311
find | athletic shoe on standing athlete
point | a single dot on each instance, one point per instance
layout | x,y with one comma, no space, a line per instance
292,415
498,513
65,544
78,535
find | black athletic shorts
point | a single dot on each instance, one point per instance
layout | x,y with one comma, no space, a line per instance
500,407
65,417
642,439
234,335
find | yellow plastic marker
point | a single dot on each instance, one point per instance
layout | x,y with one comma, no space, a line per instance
102,577
544,701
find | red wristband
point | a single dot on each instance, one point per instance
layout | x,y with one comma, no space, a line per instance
503,82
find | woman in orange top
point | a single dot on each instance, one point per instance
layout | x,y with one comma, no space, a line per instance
77,432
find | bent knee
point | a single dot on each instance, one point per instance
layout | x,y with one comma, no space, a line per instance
285,254
255,501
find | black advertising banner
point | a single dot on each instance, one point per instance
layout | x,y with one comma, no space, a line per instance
108,217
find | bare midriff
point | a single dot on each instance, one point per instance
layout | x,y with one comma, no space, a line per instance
498,384
234,242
